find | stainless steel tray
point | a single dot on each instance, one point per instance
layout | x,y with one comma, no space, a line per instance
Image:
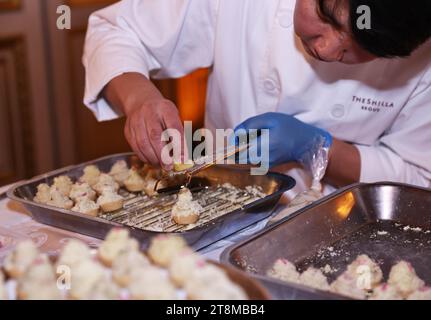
387,221
236,217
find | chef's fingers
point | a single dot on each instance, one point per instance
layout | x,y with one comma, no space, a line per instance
131,139
155,129
143,140
173,121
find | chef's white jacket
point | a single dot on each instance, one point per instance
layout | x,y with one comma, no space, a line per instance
258,65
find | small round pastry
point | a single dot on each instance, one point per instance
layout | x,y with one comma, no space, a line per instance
73,253
85,278
182,264
164,248
105,290
186,211
347,285
17,262
120,172
110,201
63,184
314,278
39,281
403,277
82,190
423,293
43,194
385,292
366,271
116,242
134,182
87,206
151,283
284,270
3,291
125,264
211,283
59,200
106,183
91,175
150,186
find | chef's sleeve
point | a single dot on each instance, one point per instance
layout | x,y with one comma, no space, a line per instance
157,38
403,153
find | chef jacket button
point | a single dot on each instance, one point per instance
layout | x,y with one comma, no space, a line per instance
286,19
338,111
270,85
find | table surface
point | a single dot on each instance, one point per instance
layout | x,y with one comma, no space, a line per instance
16,224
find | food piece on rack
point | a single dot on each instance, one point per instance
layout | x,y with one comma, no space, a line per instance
17,262
110,201
164,248
135,182
73,253
120,172
63,184
150,186
3,291
347,285
366,271
185,210
314,278
59,200
87,206
90,281
423,293
116,242
183,166
211,283
106,183
125,264
284,270
181,265
82,190
403,277
39,281
43,194
151,283
91,175
385,292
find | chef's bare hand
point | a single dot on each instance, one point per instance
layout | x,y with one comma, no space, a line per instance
148,114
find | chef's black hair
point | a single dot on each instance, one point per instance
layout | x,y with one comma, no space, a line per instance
398,27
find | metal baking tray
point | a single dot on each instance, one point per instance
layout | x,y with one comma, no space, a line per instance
387,221
235,218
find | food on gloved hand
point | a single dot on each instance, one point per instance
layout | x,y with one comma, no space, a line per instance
185,210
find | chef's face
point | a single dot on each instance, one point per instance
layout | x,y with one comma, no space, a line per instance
323,41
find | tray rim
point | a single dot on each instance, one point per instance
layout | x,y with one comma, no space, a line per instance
11,195
225,255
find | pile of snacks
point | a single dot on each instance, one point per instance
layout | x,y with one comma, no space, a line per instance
362,280
119,270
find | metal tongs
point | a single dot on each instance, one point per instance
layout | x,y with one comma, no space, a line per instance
199,165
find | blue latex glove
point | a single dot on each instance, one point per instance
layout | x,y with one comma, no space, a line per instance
289,138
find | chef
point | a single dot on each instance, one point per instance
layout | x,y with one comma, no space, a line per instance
303,69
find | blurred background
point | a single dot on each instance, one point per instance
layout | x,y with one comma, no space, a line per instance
43,122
